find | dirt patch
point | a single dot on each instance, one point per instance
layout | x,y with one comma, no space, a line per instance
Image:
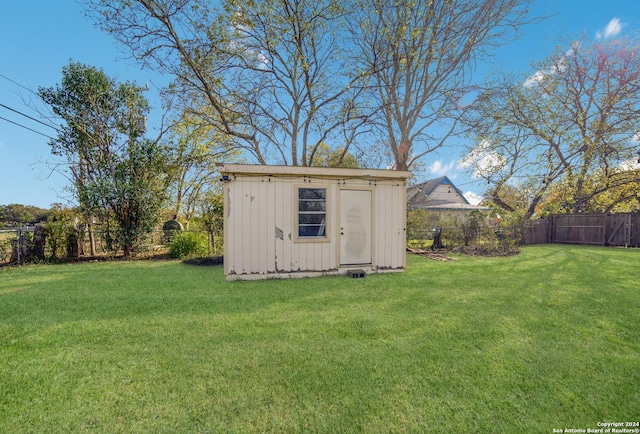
489,251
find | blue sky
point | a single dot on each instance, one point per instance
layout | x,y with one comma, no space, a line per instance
39,37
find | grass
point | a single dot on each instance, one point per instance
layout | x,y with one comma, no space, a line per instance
546,339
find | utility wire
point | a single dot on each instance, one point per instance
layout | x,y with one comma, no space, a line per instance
26,128
16,83
22,114
27,116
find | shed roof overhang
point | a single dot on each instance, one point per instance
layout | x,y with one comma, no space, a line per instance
321,172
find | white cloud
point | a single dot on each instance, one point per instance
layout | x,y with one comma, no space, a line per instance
613,29
437,168
483,160
629,165
559,66
473,198
534,79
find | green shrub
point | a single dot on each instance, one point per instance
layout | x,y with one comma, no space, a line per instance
188,244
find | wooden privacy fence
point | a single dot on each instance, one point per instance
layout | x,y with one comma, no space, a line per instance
621,229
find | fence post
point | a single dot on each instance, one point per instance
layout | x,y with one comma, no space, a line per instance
19,242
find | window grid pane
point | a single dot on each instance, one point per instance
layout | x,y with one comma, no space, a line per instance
312,212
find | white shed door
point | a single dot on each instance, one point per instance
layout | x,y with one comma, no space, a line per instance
355,227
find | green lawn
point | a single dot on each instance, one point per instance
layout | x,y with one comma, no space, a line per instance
546,339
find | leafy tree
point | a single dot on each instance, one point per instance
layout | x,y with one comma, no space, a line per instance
115,171
61,231
510,198
82,101
421,55
619,193
133,193
14,214
195,152
573,123
324,156
212,210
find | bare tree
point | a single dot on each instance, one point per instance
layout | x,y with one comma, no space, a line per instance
422,55
574,120
272,74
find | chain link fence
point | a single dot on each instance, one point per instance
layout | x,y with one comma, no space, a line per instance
33,244
470,232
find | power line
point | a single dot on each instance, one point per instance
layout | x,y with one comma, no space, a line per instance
16,83
26,128
22,114
27,116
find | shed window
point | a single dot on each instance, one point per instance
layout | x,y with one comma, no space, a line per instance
312,212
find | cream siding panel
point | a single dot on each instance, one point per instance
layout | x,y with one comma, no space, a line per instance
289,262
269,212
254,229
396,232
391,229
279,224
313,256
234,220
375,200
306,256
333,230
302,255
400,218
263,236
377,229
384,211
319,258
381,218
390,222
392,226
283,254
245,262
229,247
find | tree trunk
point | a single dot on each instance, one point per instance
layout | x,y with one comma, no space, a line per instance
92,240
402,155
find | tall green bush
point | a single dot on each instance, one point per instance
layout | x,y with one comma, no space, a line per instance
188,244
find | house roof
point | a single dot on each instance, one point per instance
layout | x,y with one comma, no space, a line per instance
421,196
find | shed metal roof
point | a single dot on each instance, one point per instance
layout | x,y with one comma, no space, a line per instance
329,172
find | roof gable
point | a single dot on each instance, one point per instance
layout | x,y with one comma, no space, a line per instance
431,194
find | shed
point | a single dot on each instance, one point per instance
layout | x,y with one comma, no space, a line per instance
287,221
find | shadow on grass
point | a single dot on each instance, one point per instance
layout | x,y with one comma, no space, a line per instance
206,261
